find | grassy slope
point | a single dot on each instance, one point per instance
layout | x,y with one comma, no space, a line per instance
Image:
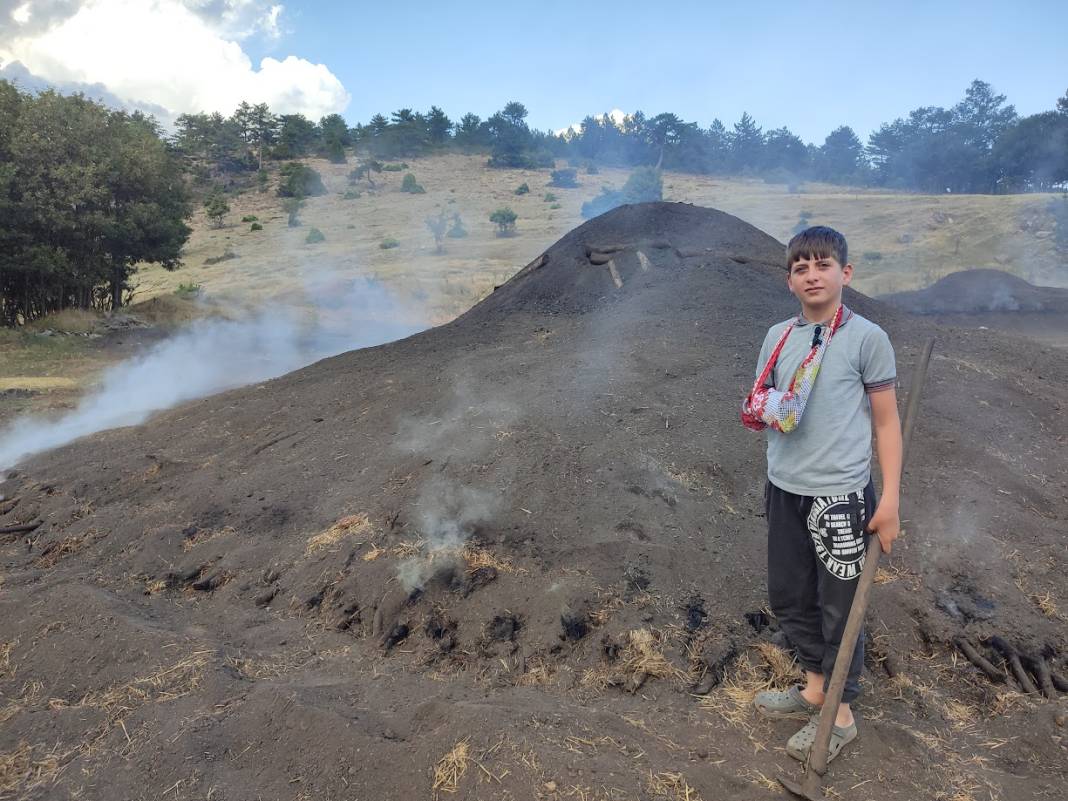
918,238
942,234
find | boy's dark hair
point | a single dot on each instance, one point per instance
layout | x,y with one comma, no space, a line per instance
817,242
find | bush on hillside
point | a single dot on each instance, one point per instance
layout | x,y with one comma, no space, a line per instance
299,180
411,186
643,185
504,218
566,178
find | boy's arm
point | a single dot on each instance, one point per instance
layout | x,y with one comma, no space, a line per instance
886,521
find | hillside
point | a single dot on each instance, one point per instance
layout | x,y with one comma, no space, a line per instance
899,242
499,559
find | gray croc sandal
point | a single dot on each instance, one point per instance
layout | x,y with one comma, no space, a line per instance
801,743
789,704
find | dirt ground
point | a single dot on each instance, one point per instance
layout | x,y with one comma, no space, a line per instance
992,300
521,556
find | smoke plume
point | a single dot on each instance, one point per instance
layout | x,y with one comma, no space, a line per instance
210,356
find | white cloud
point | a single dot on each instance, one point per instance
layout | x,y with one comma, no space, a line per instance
615,115
22,14
179,54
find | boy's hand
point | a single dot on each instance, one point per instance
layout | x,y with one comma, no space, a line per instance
886,524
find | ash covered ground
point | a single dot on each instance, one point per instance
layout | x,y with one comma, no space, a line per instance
522,556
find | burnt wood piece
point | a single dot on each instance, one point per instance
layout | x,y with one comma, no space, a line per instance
980,661
1012,657
21,528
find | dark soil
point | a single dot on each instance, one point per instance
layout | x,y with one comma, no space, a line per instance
992,299
261,595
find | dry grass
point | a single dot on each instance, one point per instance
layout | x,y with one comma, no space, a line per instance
754,776
451,768
480,557
165,684
259,669
54,552
672,786
644,654
538,673
642,657
25,768
733,698
6,670
888,574
29,695
373,553
959,715
68,321
1046,605
350,526
407,550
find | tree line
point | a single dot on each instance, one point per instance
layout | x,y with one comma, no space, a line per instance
979,145
87,192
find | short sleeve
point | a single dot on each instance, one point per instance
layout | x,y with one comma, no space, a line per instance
878,367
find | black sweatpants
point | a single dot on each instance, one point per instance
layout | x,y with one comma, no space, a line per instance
815,555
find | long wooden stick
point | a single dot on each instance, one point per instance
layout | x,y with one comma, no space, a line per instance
817,759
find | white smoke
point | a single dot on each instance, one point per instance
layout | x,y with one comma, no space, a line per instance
447,511
447,514
210,356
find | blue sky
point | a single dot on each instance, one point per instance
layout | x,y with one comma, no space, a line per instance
810,66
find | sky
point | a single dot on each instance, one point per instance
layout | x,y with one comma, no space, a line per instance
809,66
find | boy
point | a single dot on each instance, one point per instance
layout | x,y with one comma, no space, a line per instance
825,379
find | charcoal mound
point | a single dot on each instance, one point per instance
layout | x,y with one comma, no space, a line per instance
977,291
499,558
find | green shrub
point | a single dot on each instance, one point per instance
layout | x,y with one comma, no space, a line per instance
592,169
395,167
256,227
314,235
299,180
504,218
643,185
389,243
216,208
457,230
549,197
249,218
185,290
554,205
522,189
261,180
410,185
566,178
352,195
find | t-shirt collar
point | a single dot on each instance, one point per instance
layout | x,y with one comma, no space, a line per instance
801,322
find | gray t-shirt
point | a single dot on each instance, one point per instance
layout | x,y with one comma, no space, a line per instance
829,453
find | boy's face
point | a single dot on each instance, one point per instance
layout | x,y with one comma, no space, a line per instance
818,282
